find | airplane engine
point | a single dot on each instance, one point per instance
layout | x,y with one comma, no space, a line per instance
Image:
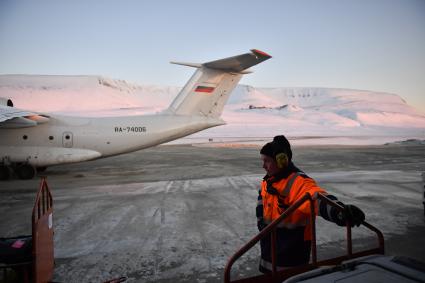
6,101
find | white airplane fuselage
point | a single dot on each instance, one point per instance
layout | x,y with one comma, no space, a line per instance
74,139
30,140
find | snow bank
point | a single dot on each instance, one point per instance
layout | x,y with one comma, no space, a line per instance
250,112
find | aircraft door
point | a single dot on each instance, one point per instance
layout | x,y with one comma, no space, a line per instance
67,139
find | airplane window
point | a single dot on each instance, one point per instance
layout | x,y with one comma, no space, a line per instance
25,137
67,137
51,138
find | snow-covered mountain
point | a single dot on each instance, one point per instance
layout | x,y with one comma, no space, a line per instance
81,94
337,109
251,112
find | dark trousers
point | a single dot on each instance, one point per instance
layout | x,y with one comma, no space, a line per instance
291,249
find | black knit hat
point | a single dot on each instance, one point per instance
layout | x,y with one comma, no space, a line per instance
279,145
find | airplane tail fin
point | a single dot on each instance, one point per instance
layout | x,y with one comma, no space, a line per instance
208,90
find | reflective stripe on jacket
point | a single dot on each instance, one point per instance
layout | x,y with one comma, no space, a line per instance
278,196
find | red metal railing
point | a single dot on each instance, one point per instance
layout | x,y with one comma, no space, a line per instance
279,276
42,234
42,263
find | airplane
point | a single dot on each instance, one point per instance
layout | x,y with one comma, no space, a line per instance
31,141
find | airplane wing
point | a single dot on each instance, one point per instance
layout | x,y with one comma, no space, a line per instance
13,118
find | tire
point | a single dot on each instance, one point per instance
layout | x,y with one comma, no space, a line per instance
4,173
41,169
25,172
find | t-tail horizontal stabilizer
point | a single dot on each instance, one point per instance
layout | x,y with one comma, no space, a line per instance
235,64
238,63
208,90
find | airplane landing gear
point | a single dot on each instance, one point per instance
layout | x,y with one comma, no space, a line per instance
25,171
41,169
4,172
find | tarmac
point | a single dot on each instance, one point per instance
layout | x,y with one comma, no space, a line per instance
176,213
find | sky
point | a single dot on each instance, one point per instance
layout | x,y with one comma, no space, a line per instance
376,45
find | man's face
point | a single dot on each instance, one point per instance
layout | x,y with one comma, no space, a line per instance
270,165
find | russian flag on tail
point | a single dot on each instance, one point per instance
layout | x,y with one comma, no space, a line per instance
206,89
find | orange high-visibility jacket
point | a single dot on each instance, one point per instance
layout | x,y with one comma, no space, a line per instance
293,235
288,191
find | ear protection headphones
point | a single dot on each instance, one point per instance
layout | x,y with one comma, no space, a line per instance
282,160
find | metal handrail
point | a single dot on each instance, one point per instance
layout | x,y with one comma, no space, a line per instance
43,201
271,228
42,234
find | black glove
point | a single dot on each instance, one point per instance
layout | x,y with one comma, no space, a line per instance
351,213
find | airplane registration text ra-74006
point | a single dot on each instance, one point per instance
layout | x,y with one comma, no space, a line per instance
130,129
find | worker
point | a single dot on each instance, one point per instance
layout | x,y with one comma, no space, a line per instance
282,186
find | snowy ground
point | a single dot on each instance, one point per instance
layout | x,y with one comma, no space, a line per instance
176,213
